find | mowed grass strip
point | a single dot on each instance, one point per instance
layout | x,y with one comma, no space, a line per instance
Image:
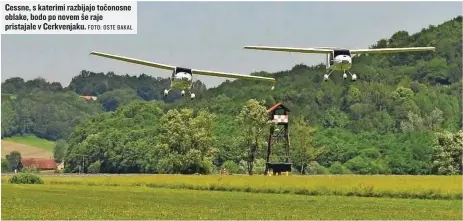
421,187
32,140
34,202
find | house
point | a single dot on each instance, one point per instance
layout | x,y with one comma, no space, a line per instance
61,166
39,163
89,97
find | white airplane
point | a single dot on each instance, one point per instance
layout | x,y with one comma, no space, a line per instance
339,59
182,78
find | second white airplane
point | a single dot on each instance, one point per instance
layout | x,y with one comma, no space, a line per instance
340,59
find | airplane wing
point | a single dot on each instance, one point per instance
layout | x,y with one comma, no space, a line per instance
171,68
134,61
286,49
390,50
231,75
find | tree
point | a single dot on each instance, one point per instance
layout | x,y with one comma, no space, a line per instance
303,150
185,143
448,152
94,167
9,118
111,100
121,141
5,166
14,160
435,119
59,152
253,121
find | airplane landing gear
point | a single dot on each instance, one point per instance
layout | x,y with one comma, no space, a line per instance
326,76
183,92
354,77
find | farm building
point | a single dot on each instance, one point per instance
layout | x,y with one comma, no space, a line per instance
89,97
60,166
39,163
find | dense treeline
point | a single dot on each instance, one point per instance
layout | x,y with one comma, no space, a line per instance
144,86
402,116
46,114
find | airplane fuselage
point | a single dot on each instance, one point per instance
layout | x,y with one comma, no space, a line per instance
339,60
341,63
181,80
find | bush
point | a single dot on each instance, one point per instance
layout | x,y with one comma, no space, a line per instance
30,170
25,178
259,166
94,167
232,167
59,171
319,169
5,165
338,168
315,168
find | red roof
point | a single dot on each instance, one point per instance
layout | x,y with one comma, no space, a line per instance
39,163
88,97
276,106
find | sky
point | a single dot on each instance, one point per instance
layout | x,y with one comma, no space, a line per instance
211,36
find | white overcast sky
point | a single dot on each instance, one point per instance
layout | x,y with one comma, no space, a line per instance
211,35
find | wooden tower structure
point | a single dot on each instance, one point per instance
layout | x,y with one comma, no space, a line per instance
279,132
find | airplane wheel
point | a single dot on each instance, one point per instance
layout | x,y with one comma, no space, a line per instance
183,93
193,96
166,92
325,77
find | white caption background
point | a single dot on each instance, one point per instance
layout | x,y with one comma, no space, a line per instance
83,18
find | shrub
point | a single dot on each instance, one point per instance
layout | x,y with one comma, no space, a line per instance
5,165
259,166
30,170
232,167
319,169
338,168
58,170
94,167
25,178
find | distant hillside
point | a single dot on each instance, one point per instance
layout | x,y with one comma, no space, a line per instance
389,121
392,92
28,146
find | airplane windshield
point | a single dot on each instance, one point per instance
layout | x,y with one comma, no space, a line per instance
341,52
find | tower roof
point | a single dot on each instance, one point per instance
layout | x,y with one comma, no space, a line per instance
278,105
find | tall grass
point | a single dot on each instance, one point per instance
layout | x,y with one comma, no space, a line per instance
422,187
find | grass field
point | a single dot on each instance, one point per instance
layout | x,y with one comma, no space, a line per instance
29,146
117,202
421,187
